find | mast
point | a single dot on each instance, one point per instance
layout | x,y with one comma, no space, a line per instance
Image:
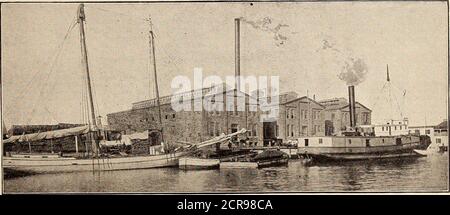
152,53
81,20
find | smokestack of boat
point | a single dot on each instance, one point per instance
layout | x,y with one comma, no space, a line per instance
352,108
237,68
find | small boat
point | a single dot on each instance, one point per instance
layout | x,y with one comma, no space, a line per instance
432,149
187,163
267,158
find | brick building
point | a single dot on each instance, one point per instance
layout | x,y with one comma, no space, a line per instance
337,114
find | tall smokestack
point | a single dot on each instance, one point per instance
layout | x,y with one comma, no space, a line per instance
237,47
352,109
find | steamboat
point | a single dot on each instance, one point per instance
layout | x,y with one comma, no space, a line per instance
361,142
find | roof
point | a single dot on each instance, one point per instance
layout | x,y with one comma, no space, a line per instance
442,125
194,94
301,98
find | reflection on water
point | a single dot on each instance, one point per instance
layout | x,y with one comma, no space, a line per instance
423,174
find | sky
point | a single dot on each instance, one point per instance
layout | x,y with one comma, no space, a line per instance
42,75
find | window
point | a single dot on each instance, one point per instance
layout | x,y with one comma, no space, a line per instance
217,128
417,131
306,142
167,116
173,116
367,142
211,128
287,130
320,141
304,130
438,140
292,130
398,141
382,128
427,131
254,130
349,141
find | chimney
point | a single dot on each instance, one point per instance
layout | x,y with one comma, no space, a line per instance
352,109
237,47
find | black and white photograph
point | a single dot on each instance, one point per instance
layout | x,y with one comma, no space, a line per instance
224,97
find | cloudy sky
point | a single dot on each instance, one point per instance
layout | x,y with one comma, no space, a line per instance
306,44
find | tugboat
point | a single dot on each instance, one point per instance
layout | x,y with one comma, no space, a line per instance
361,142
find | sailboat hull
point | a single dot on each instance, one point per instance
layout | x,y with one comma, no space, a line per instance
57,165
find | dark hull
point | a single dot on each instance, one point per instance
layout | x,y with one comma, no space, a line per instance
270,163
361,156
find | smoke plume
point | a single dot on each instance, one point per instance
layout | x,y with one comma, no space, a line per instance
353,70
266,24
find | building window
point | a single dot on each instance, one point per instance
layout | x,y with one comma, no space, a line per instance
173,116
382,128
254,130
292,130
287,130
367,142
167,116
276,130
211,128
427,131
320,141
217,129
349,141
417,131
304,130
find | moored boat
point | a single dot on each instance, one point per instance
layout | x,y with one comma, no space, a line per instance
362,142
358,147
187,163
267,158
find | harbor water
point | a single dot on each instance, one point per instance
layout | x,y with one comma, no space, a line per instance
425,174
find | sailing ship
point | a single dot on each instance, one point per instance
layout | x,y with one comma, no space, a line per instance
360,142
99,160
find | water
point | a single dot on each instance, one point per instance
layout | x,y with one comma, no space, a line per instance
426,174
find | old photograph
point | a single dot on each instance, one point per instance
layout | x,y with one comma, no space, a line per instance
224,97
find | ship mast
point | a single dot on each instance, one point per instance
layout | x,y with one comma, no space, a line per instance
81,20
153,59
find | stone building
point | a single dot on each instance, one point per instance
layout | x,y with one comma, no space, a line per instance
296,117
193,125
